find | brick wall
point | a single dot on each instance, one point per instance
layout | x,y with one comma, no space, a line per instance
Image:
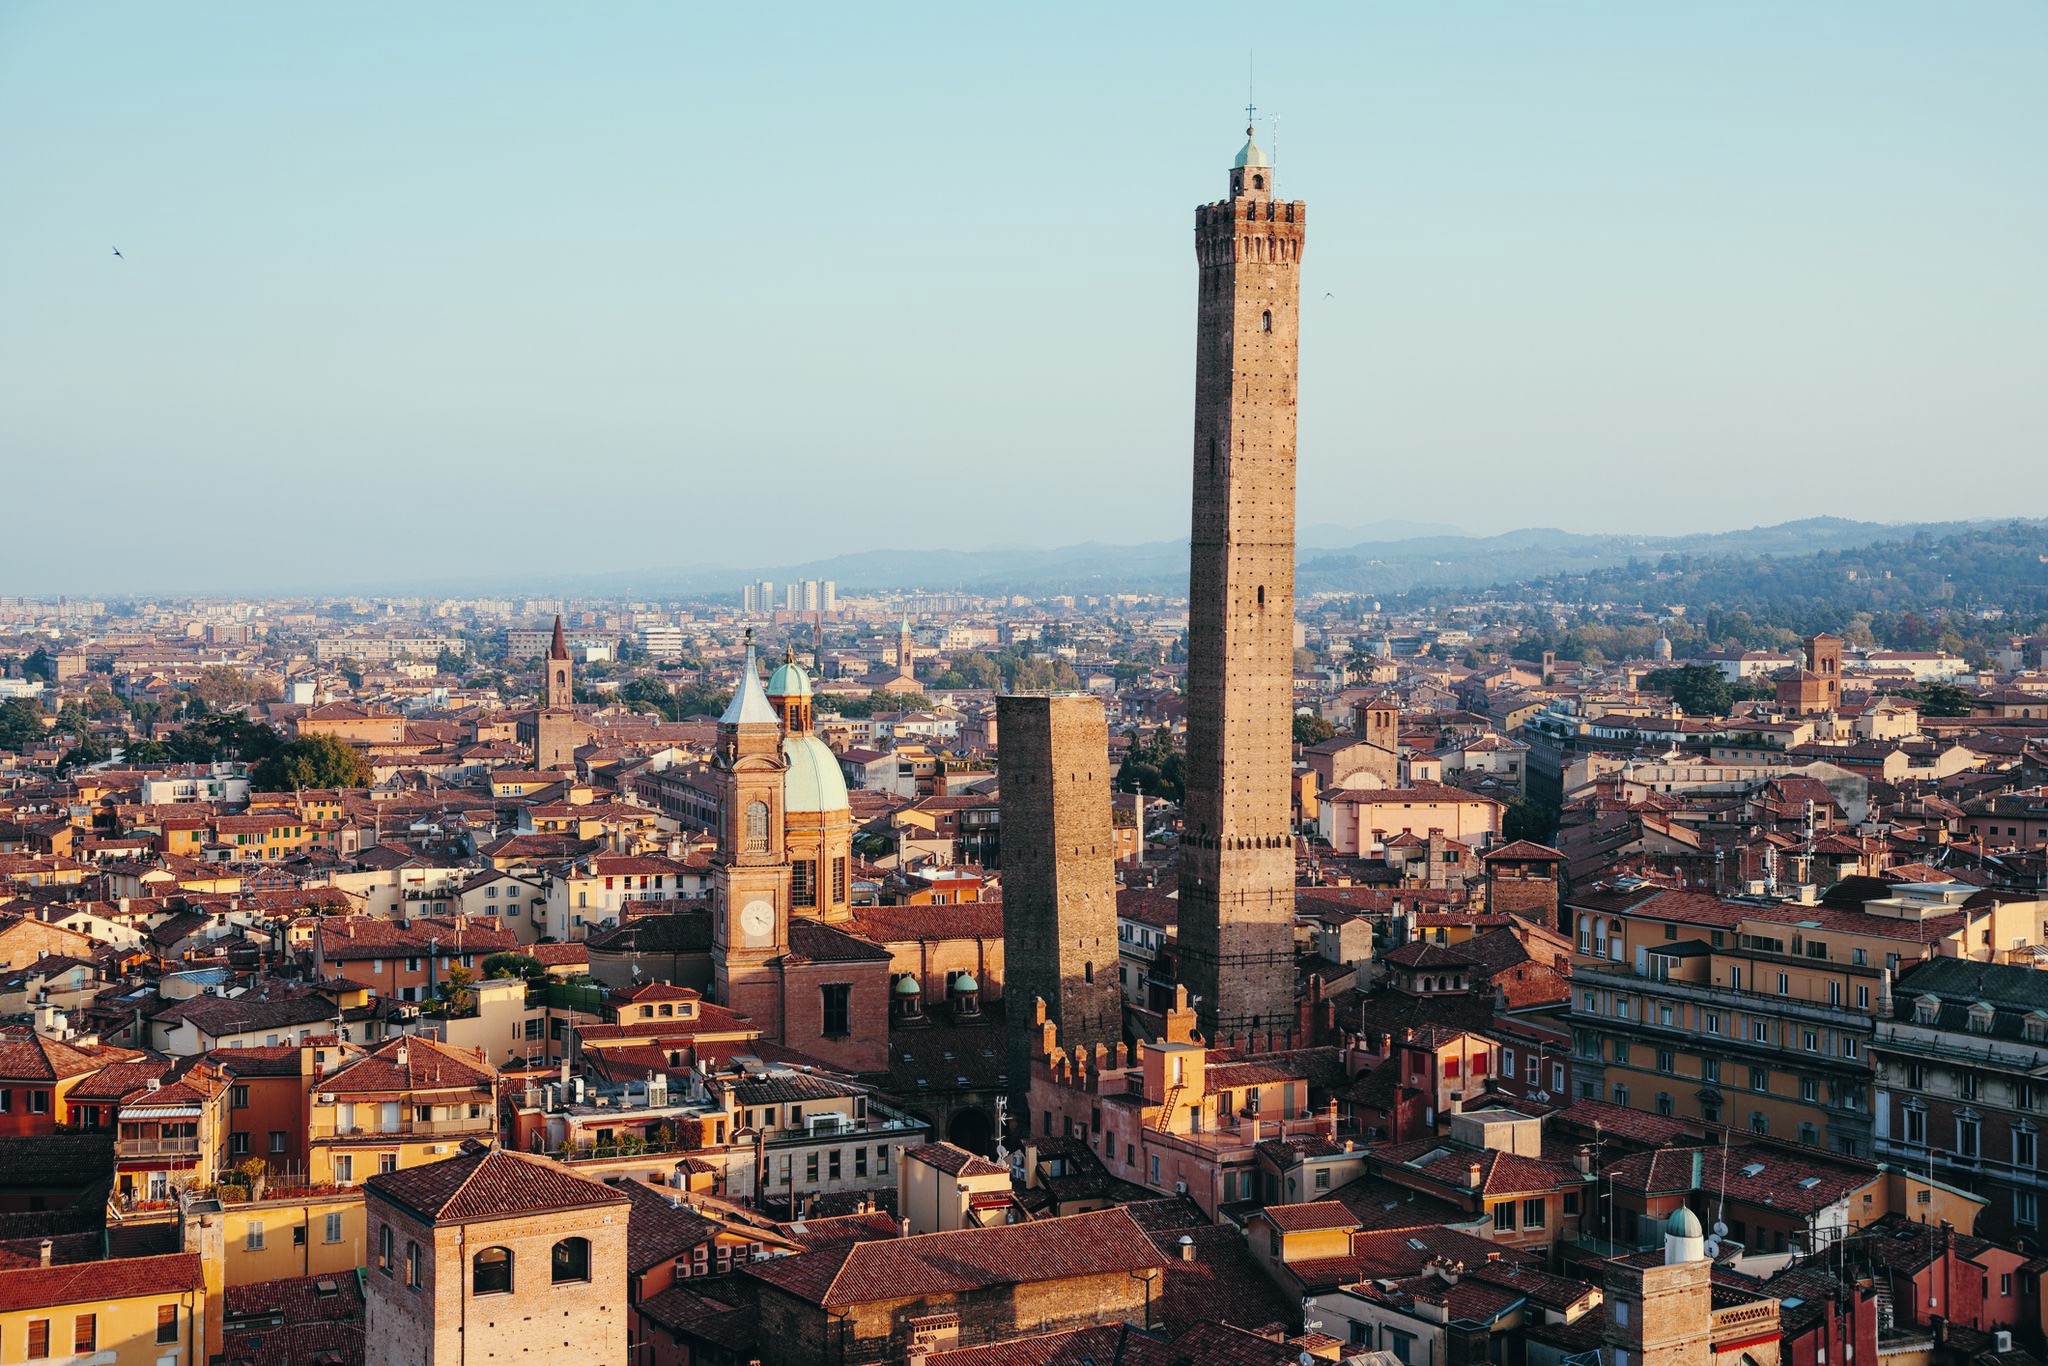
538,1320
1059,875
1237,859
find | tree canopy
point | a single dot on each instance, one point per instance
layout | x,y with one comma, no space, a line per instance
21,723
1311,729
1154,767
312,761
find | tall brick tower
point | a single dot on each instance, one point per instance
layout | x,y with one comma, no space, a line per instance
556,731
1237,856
1059,876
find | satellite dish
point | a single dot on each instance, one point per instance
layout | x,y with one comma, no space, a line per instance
1713,1247
1720,1229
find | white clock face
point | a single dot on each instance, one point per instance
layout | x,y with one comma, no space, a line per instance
757,923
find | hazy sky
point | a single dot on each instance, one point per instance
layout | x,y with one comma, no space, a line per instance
416,289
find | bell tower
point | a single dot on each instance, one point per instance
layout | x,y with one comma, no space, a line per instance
556,731
559,691
1237,860
750,869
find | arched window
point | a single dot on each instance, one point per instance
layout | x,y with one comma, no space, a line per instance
1266,321
492,1272
572,1260
412,1264
1088,971
757,825
1262,595
384,1249
561,678
1258,182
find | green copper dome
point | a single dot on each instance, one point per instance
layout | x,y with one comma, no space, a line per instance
1251,155
965,982
789,680
906,985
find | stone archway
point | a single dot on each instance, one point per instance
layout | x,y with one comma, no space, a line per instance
974,1129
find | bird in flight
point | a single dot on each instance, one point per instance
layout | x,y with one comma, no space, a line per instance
117,252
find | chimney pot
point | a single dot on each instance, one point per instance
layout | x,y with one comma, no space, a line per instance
45,1249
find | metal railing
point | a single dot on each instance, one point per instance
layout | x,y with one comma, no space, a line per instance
156,1147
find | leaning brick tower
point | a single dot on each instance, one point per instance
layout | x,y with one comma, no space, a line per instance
1237,856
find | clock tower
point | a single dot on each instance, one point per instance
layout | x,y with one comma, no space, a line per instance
750,871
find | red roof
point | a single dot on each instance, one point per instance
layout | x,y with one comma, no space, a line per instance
494,1184
427,1066
37,1057
41,1287
886,924
935,1264
1314,1215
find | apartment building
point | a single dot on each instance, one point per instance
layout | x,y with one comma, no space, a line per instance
409,1103
1962,1088
1750,1012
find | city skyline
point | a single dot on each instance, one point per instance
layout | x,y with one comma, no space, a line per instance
1771,246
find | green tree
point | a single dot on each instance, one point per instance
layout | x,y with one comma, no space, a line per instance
1311,729
311,761
21,723
89,750
1154,767
221,686
146,751
1942,699
1699,689
458,991
515,965
1529,819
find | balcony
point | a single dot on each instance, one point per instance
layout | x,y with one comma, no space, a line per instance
1754,1002
409,1127
156,1147
1741,1319
2006,1055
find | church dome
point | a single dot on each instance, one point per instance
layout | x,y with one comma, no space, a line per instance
813,781
965,983
906,985
1251,155
1683,1223
789,680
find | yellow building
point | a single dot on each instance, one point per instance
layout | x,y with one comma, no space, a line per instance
132,1311
304,1233
269,835
1749,1011
410,1102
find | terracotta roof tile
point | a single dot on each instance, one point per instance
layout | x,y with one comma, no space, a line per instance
427,1066
40,1287
494,1184
1091,1244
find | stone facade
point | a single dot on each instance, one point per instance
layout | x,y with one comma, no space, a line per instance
1059,875
1237,858
425,1301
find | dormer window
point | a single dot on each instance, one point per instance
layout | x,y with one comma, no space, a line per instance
1980,1018
1926,1010
2036,1026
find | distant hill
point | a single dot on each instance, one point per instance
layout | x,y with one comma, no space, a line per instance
1400,561
1913,584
